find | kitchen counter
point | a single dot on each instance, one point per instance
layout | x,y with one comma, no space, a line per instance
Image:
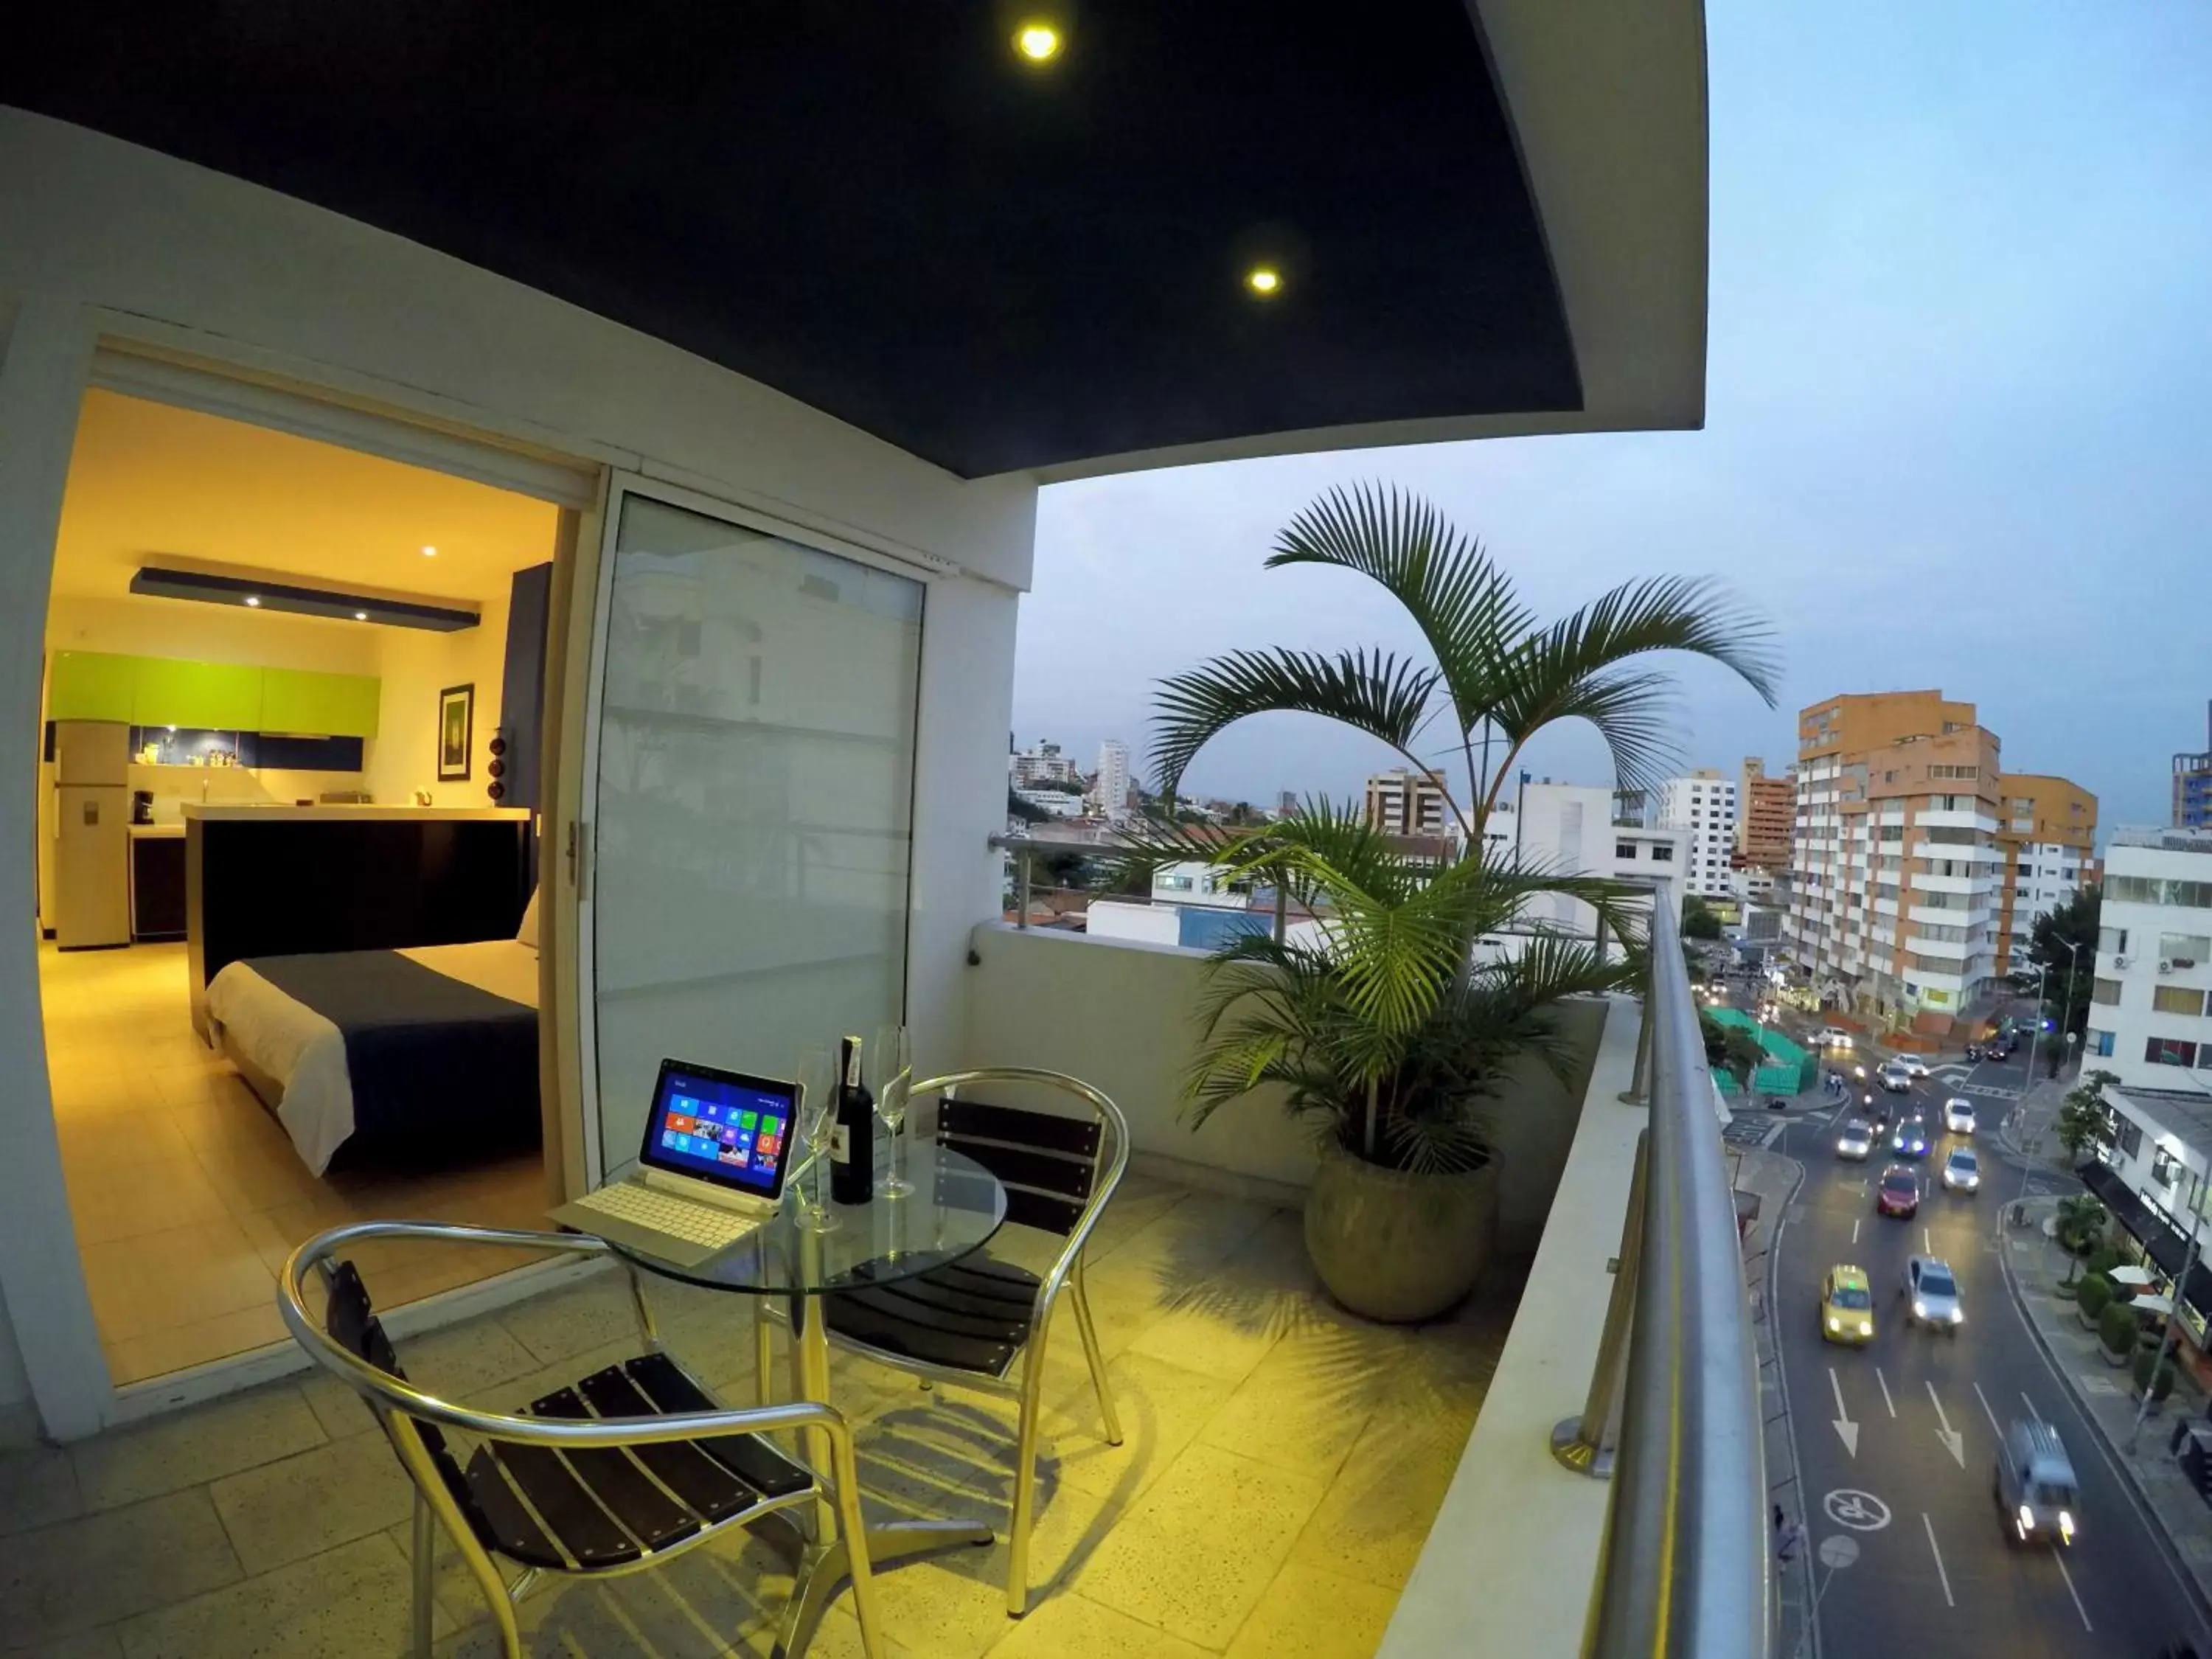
157,831
276,812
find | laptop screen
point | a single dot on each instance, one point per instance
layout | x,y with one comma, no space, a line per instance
722,1126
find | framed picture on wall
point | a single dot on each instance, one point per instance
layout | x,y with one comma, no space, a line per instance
457,719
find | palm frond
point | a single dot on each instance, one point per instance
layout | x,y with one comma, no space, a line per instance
1371,691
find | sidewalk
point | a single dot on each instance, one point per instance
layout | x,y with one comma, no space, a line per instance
1775,1179
2026,1129
2032,1264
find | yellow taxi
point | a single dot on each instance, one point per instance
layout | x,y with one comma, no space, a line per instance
1846,1306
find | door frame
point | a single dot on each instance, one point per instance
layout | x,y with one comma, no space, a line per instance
581,710
53,351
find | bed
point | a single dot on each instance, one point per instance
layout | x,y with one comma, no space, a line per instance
388,1049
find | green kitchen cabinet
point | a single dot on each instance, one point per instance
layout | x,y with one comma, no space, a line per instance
303,702
92,685
211,695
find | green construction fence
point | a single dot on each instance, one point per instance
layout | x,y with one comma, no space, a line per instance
1788,1069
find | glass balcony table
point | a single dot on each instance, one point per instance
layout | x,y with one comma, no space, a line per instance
955,1208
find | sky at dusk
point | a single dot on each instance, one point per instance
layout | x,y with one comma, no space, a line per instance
1959,426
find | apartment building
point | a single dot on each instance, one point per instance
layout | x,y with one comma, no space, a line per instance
1703,804
1041,763
1895,861
2192,784
1110,796
2047,834
2148,1020
1408,803
1570,828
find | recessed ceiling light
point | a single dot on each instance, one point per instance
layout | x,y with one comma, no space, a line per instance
429,552
1263,280
253,599
1038,42
361,616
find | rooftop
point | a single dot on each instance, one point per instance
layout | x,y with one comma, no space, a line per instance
2162,837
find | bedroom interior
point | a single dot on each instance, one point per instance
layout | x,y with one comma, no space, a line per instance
276,888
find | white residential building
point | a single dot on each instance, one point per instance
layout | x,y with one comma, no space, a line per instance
2147,1018
1568,829
1042,762
1058,802
1705,804
1110,788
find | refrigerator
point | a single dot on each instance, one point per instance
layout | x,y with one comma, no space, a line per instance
92,835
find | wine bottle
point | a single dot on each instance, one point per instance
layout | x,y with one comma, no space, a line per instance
853,1142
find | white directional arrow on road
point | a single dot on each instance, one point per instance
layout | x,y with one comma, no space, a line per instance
1845,1426
1954,1442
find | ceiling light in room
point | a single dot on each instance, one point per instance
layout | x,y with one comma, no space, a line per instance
1263,280
1039,42
257,593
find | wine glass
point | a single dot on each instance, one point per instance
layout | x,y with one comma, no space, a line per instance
890,1080
818,1121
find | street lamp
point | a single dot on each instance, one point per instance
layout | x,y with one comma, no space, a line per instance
2066,1014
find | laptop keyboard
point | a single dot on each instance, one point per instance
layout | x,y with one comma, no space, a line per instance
679,1217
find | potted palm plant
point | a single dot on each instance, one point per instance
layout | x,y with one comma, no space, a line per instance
1398,1022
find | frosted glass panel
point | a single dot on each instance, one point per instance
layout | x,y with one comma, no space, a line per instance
756,763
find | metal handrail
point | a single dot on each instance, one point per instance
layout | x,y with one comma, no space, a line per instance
1685,1571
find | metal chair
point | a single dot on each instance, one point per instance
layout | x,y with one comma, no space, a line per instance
979,1323
622,1471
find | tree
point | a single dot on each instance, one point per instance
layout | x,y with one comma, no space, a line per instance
2069,977
2082,1120
1699,923
1019,808
1393,1025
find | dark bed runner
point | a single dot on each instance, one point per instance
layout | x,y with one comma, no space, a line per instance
424,1052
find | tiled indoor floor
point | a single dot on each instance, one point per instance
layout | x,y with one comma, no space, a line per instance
1281,1465
186,1192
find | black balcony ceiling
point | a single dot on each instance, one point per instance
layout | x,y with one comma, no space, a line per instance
881,210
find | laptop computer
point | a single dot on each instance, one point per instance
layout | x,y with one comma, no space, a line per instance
711,1169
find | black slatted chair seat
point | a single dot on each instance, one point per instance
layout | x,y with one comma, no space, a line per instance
599,1507
973,1316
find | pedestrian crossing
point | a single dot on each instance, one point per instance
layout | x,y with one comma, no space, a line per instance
1994,1090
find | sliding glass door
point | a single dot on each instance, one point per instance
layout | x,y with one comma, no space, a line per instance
752,768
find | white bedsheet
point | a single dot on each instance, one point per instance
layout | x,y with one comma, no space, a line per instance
305,1053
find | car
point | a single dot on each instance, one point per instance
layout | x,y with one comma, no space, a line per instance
1962,1171
1893,1076
1959,1115
1909,1138
1846,1306
1932,1292
1914,1066
1833,1036
1856,1141
1898,1193
2034,1486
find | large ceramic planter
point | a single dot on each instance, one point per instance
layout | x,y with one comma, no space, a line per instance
1395,1246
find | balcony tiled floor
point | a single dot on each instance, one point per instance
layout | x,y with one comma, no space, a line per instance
1281,1466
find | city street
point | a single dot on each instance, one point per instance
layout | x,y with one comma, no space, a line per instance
1897,1441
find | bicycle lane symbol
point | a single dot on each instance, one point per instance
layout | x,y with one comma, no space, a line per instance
1861,1511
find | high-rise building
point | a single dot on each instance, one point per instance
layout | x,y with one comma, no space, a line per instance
2046,827
2192,785
1110,789
1703,804
1403,803
1766,807
1894,865
2147,1010
1043,763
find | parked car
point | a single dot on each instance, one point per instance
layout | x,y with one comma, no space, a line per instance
2034,1486
1932,1292
1959,1115
1962,1171
1898,1194
1846,1306
1833,1036
1910,1139
1856,1141
1893,1076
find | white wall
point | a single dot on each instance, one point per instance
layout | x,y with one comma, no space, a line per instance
119,242
1146,924
415,666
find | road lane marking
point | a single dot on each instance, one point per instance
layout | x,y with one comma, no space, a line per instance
1884,1381
1927,1240
2033,1415
1847,1430
1954,1442
1861,1511
1945,1578
2060,1557
1854,1230
1987,1413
